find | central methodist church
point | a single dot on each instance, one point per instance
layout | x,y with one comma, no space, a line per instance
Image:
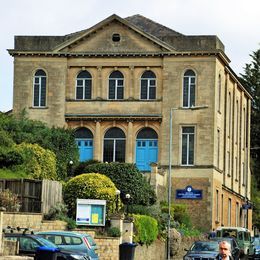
136,91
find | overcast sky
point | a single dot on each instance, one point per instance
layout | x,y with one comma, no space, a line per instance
235,22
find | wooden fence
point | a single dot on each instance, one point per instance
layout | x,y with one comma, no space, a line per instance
35,195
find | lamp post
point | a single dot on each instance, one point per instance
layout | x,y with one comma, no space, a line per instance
70,167
127,196
170,173
117,199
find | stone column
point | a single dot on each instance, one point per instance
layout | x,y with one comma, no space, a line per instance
129,143
118,223
97,142
99,83
127,234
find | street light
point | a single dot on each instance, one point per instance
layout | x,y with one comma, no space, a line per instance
117,199
127,196
170,173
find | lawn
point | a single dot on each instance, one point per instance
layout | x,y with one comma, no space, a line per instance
8,174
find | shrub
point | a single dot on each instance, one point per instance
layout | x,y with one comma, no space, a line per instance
9,201
81,167
39,163
127,179
113,232
90,186
10,157
57,212
145,229
5,139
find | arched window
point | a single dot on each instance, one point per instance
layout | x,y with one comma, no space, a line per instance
114,145
84,85
84,140
146,149
219,92
189,85
39,89
116,85
148,85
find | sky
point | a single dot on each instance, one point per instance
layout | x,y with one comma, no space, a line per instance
235,22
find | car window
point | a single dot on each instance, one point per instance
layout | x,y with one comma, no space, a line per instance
247,236
27,243
72,240
57,240
240,235
11,238
91,240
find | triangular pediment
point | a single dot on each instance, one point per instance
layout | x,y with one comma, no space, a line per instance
113,35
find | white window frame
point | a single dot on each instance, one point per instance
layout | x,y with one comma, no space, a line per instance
84,88
40,89
188,150
189,77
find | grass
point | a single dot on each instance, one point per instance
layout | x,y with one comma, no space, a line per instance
10,174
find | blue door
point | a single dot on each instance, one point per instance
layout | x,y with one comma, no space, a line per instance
85,149
146,153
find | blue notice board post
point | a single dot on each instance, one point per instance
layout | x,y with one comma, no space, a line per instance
91,212
189,193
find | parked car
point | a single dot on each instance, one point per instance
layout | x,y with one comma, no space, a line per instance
73,241
202,250
256,248
235,250
242,235
29,244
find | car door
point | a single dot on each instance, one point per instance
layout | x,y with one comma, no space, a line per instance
27,246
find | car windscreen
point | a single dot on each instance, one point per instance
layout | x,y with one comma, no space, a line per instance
205,246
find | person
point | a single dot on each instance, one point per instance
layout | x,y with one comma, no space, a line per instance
224,251
212,234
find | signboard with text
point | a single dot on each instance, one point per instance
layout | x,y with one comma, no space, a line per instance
91,212
188,193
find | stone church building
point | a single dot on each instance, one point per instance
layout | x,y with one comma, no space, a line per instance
123,83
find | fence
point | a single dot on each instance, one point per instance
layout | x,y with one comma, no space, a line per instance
35,195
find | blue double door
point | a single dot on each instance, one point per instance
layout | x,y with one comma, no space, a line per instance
85,149
146,153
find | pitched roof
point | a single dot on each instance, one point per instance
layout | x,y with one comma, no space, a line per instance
151,27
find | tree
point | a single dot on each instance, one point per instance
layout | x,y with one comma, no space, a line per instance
251,80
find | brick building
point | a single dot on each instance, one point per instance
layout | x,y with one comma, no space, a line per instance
116,84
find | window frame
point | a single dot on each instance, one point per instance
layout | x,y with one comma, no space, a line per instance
84,86
149,86
41,90
117,86
188,151
190,83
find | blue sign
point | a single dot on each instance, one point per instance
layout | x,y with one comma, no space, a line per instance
189,193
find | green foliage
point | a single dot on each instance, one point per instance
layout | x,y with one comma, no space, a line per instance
10,157
71,223
57,212
127,179
113,232
89,186
145,229
59,140
188,231
6,173
82,166
5,139
39,163
9,201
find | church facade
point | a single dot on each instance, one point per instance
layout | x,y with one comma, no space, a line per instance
136,91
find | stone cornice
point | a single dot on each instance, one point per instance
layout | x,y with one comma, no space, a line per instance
90,117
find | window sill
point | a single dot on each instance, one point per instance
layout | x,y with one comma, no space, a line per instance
38,107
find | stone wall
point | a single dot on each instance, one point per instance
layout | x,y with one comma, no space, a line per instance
31,220
108,248
153,252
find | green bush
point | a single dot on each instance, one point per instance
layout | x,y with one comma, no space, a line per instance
145,229
57,212
5,139
39,163
81,167
127,179
10,157
90,186
9,201
113,232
